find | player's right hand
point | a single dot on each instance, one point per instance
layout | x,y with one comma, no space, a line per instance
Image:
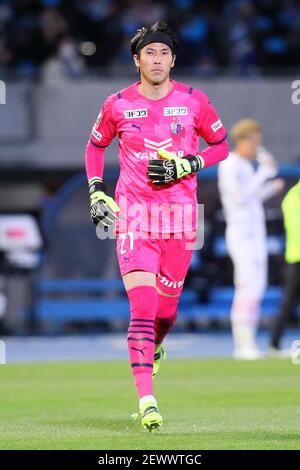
267,162
103,207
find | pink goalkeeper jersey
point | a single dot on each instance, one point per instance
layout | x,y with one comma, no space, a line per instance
175,123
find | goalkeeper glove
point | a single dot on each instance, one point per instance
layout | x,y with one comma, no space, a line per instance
103,207
171,167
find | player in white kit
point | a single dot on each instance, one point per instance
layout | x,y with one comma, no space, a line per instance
243,190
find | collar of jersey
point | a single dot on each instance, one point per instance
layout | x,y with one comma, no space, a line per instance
160,99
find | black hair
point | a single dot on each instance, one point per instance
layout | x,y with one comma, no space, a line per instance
159,26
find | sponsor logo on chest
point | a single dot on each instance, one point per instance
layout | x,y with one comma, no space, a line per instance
153,154
154,146
135,113
176,111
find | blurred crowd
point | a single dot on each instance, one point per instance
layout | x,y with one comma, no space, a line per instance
238,36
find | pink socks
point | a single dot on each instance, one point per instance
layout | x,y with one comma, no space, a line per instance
140,339
166,316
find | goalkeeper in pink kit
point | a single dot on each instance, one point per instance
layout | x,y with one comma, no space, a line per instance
158,122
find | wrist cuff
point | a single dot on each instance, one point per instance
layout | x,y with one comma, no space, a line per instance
201,161
96,184
196,162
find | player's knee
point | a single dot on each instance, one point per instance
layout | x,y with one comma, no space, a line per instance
143,302
250,290
167,294
167,306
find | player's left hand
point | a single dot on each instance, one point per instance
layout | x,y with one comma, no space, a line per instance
169,167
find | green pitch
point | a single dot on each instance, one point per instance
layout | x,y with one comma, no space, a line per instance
206,404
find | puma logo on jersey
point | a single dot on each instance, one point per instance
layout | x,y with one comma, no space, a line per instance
135,113
137,126
175,111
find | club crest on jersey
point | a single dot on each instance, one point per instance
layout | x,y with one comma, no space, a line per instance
176,127
135,113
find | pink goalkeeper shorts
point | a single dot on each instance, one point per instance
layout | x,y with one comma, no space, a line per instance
169,258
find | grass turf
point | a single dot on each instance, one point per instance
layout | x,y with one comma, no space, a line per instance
206,404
